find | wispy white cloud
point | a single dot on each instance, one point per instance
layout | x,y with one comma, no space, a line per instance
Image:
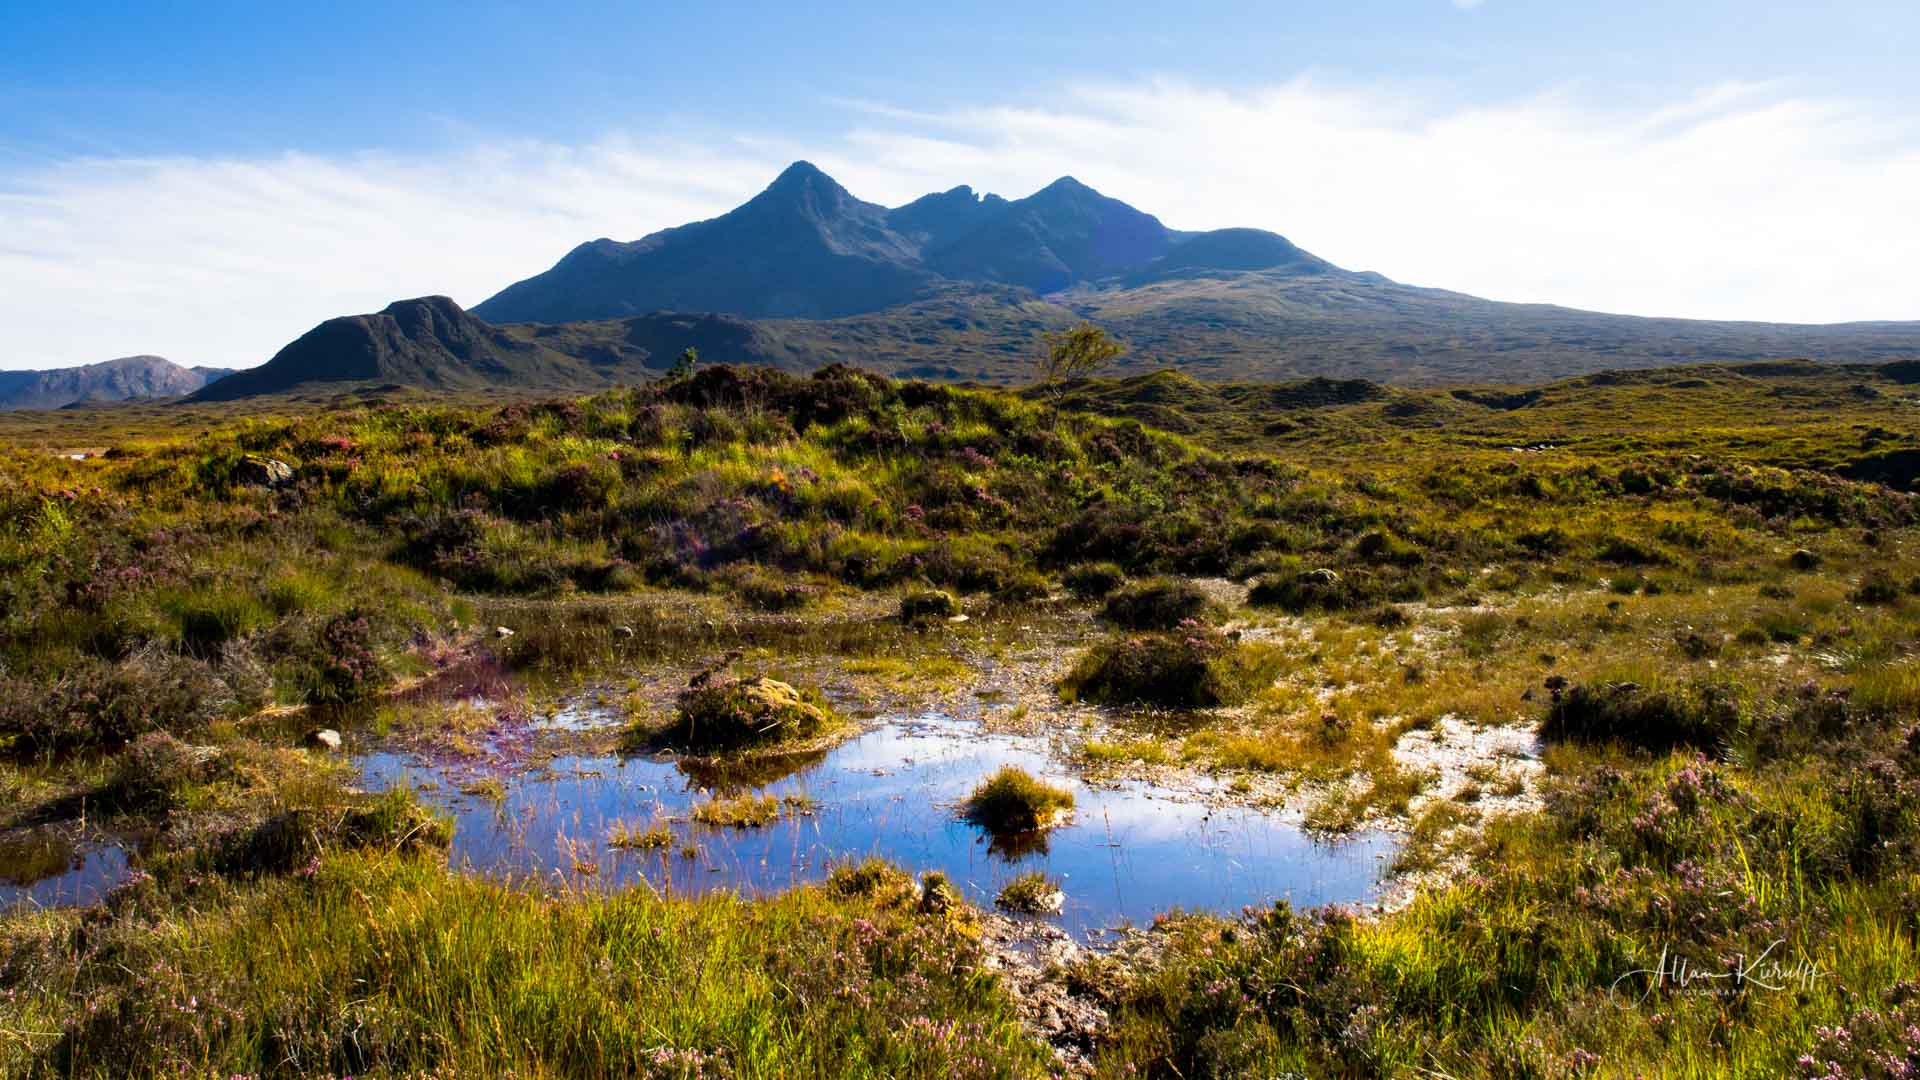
1741,202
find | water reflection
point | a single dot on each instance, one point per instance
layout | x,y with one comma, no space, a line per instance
1128,853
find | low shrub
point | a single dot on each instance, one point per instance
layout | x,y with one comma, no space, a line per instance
1160,603
295,839
1093,581
1024,587
1014,800
1315,590
1191,668
153,772
102,705
1701,715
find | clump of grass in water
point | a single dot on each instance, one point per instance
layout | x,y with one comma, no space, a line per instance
749,811
737,811
654,837
1014,800
490,788
1032,893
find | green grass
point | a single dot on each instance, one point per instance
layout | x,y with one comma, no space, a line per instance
379,967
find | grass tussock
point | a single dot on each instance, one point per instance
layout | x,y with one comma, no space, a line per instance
1013,800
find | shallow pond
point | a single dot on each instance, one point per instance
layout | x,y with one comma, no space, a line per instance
48,869
1130,851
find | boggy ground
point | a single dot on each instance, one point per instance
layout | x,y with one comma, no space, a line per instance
1631,658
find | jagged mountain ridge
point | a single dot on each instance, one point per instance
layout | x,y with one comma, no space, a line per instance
807,248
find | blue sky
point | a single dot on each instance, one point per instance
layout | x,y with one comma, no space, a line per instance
279,163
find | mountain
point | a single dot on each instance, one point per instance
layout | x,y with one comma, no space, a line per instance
959,285
112,380
807,248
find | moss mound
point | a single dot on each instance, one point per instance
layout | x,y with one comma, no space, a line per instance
731,714
928,605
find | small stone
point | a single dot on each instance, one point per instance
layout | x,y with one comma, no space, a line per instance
502,632
323,739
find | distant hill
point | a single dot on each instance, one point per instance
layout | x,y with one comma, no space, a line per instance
127,378
426,342
957,285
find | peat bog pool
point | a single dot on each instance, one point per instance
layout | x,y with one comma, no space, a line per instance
1130,851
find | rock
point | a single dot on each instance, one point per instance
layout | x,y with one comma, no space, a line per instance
772,698
323,739
502,632
263,472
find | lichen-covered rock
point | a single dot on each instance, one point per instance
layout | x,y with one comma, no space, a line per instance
262,472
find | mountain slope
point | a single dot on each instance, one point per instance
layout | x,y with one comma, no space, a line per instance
112,380
427,342
1062,234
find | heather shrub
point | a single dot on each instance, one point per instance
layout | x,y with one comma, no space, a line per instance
1698,715
1093,581
1189,668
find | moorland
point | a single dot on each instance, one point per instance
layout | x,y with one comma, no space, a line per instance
1621,667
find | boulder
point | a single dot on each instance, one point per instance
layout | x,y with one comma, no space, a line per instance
263,472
